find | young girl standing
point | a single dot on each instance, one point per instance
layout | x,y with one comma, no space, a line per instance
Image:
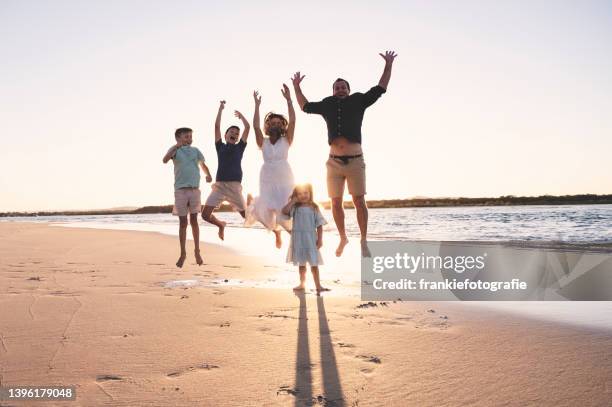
306,234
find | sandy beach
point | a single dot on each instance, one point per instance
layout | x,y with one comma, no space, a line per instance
108,312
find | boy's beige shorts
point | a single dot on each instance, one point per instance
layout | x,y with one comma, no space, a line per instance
187,200
227,191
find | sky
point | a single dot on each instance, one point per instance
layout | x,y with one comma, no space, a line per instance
486,98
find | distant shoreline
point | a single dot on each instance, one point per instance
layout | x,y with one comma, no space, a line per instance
509,200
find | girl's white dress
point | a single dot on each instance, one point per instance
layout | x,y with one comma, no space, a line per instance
275,187
303,246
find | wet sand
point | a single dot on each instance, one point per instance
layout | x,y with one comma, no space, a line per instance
93,308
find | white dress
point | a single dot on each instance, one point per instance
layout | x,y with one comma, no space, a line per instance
275,186
303,247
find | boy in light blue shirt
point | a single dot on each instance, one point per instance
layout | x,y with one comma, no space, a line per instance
187,195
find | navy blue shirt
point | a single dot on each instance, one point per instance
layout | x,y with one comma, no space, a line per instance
230,161
344,116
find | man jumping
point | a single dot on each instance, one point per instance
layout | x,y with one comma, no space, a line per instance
343,113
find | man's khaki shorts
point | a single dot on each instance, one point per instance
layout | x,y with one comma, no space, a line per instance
227,191
353,173
187,200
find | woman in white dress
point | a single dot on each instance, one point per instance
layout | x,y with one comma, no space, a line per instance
275,178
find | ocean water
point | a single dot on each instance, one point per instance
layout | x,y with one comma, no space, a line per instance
560,223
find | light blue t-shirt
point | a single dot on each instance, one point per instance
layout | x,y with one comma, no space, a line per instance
186,170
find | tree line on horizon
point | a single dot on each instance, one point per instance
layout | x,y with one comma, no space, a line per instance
507,200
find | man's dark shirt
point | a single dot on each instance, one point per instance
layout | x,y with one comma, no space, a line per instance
344,116
230,161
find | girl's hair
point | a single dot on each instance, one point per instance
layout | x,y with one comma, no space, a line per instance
307,187
269,117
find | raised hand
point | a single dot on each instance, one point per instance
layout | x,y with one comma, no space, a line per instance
257,98
222,105
297,78
388,56
285,91
238,115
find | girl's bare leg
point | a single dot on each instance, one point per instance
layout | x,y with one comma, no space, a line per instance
302,279
315,276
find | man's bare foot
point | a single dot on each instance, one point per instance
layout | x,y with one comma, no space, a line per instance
298,288
181,260
222,231
365,250
198,258
279,241
322,289
343,242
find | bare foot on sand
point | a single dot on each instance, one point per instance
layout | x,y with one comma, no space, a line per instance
222,231
365,250
181,260
279,241
322,289
298,288
198,258
343,242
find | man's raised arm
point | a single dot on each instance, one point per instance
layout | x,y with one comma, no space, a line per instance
389,56
301,99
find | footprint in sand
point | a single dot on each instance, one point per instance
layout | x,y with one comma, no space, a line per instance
371,359
321,400
287,390
389,322
345,345
268,331
354,316
367,371
371,304
107,377
203,366
271,314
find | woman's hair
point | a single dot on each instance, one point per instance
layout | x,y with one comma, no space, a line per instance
269,117
307,187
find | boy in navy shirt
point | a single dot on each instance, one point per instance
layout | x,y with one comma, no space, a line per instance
227,186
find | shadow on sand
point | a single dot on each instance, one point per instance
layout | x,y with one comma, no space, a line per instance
332,388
